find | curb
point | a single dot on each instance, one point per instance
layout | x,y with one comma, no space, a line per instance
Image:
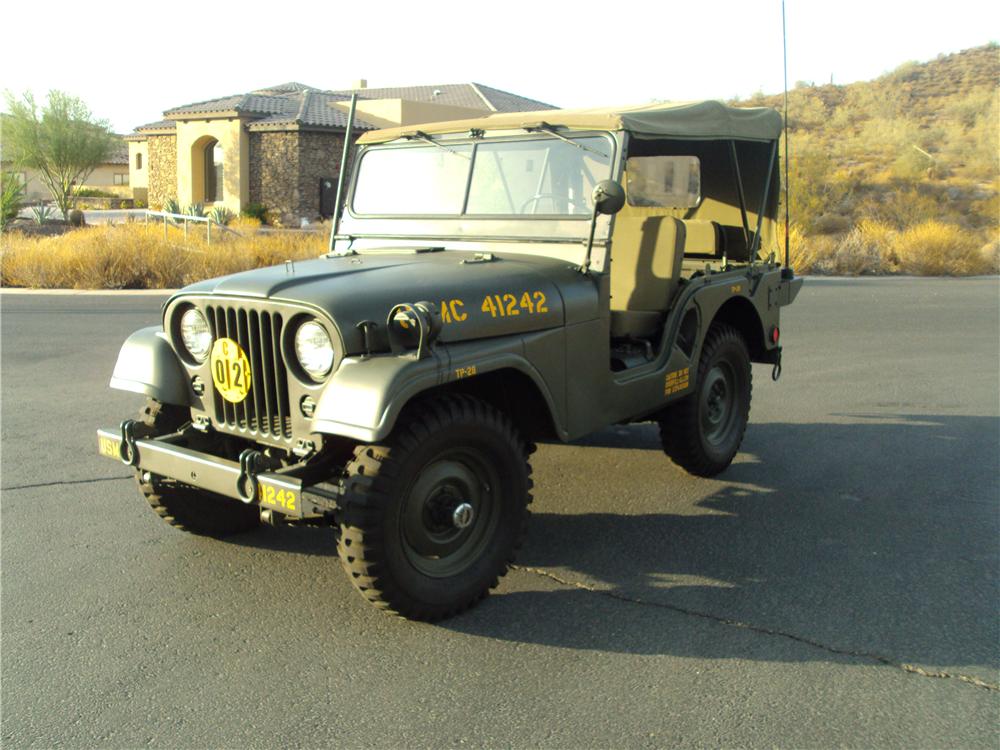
17,291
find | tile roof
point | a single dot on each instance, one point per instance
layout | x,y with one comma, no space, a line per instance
119,152
471,95
296,104
223,104
291,86
312,109
158,125
504,101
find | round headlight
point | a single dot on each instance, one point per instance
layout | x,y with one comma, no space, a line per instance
314,349
195,334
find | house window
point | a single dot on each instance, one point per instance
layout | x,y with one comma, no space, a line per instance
121,178
138,161
213,171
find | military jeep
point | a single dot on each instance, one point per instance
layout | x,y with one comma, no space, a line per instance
492,283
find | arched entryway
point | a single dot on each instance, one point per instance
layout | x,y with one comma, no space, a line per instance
207,171
213,171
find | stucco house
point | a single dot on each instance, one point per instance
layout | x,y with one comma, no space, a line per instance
112,176
280,147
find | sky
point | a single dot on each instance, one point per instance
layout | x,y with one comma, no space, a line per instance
129,61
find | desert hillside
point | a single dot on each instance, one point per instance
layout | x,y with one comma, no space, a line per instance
908,159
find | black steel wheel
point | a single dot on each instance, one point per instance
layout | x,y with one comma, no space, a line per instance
434,515
182,506
703,431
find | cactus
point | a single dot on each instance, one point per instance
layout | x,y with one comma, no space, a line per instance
222,215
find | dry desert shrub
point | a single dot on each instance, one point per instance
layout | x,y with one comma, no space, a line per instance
136,256
245,224
804,252
990,254
933,248
866,249
930,248
860,251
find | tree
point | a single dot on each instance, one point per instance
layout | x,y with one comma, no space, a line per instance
62,142
11,197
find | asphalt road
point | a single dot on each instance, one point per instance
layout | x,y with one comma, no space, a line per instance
837,586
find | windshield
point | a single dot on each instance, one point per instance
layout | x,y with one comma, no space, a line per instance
529,177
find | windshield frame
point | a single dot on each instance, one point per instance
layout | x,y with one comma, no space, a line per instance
467,139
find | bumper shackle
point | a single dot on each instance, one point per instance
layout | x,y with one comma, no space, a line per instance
127,450
247,485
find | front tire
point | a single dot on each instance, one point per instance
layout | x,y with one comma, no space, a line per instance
703,431
182,506
435,513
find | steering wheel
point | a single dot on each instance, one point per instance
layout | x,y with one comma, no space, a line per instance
575,202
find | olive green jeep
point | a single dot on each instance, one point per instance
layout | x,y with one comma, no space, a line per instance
491,283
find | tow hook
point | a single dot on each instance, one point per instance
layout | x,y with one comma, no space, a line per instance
247,485
127,451
776,372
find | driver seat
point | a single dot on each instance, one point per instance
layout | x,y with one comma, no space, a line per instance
646,257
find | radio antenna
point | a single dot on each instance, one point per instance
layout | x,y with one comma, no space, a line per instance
784,49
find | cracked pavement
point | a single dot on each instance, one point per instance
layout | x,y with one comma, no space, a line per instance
837,586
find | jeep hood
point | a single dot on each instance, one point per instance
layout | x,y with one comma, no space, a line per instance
478,298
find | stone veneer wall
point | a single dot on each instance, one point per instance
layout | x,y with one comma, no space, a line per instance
286,168
319,158
162,169
274,168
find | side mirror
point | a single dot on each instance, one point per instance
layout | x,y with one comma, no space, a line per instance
608,197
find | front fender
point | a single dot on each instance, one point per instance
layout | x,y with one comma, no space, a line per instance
364,396
147,365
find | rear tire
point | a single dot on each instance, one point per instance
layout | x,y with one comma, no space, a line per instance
435,513
182,506
703,431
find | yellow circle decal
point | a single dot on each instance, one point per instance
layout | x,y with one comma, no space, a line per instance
230,370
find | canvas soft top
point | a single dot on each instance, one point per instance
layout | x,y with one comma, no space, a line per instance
708,120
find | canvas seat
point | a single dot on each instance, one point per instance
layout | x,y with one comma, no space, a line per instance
646,258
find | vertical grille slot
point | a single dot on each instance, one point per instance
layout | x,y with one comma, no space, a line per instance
266,409
284,412
258,387
269,369
239,410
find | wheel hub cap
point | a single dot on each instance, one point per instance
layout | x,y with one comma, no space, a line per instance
462,516
718,408
449,513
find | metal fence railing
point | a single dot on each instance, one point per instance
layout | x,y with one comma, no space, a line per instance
185,219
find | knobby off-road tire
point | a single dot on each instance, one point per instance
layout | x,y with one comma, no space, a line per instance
703,431
399,539
184,507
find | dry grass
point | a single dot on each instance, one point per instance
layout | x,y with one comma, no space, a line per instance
936,249
136,256
930,248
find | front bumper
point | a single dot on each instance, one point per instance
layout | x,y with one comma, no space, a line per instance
164,457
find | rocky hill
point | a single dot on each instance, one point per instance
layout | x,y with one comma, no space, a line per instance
917,144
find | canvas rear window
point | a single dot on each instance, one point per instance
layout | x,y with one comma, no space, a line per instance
663,181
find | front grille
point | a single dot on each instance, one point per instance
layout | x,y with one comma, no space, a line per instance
265,410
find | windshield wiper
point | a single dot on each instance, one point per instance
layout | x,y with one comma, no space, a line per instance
550,130
421,136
